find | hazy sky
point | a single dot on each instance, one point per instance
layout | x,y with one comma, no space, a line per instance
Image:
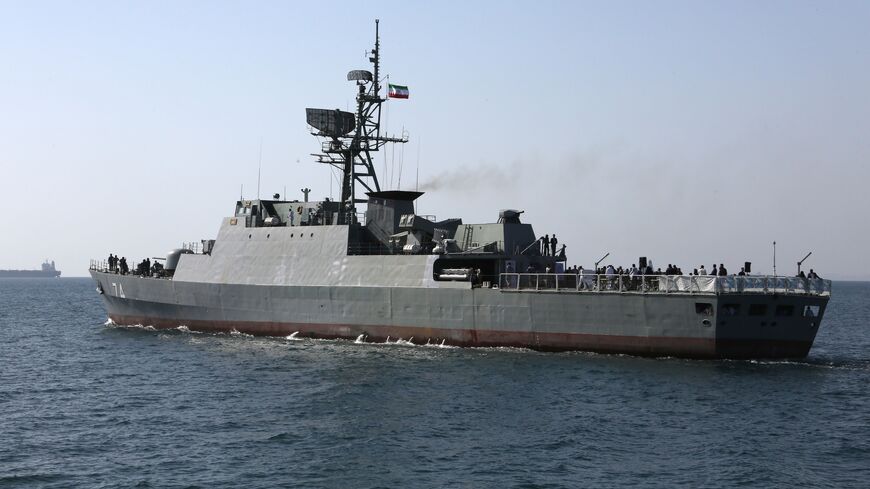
690,132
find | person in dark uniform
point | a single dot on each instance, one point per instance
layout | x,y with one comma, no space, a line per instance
546,245
553,242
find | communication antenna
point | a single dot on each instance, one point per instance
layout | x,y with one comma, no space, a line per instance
801,262
351,138
259,167
417,183
774,258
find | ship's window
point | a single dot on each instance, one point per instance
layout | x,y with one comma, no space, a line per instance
704,308
757,309
784,310
811,311
730,310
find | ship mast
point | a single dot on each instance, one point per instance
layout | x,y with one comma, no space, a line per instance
353,137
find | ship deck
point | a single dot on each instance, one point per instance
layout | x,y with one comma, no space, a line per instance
663,284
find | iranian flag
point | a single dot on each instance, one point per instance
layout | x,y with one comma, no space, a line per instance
398,91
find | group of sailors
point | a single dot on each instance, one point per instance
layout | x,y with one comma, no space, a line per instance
812,274
717,271
145,268
118,265
548,246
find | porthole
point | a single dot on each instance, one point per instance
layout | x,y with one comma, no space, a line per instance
291,235
249,236
268,235
312,235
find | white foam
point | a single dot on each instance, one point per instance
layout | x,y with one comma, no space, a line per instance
293,336
235,332
360,339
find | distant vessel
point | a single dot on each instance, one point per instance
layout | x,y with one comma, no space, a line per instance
48,271
324,270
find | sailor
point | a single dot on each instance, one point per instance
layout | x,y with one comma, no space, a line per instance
742,272
801,274
510,280
722,271
714,272
147,266
546,243
553,242
111,262
702,270
562,253
813,274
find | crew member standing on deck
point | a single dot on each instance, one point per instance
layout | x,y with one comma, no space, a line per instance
553,242
546,242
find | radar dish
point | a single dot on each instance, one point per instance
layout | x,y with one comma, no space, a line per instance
331,122
356,75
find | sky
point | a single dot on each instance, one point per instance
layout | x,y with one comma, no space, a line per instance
688,132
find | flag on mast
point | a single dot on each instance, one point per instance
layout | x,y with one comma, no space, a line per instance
398,91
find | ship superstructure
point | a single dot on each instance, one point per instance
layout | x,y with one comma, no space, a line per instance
325,269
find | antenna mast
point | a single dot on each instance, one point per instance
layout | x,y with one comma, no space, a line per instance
353,137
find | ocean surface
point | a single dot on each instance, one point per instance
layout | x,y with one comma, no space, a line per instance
85,404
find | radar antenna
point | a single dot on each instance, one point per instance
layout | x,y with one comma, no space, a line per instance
353,137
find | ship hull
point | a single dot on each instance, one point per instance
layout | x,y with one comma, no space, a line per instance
636,324
28,274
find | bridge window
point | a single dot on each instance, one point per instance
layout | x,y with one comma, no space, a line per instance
730,310
757,309
784,310
704,308
811,311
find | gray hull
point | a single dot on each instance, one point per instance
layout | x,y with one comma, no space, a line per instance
640,324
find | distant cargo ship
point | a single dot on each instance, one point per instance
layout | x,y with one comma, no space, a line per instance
48,271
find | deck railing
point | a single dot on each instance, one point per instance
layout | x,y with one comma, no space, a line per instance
662,284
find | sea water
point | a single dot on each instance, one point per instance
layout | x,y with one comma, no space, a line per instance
84,403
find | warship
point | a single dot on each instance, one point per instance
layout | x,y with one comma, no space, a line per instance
48,270
329,269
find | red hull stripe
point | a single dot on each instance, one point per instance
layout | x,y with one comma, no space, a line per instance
634,345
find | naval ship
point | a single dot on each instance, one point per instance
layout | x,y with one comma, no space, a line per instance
48,271
368,267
